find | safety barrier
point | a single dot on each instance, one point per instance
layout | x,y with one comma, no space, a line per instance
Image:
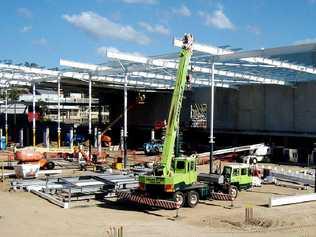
222,196
147,201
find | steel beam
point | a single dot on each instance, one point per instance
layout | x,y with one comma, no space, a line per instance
279,201
91,67
173,65
256,56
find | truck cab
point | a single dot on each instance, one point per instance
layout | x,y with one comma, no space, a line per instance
184,169
238,175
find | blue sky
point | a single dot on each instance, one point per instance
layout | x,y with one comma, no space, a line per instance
42,31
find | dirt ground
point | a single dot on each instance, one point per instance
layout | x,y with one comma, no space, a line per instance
24,214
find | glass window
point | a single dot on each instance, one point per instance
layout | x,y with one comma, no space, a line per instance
235,172
180,165
192,165
227,171
244,171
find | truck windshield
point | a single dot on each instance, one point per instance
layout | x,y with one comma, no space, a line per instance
227,171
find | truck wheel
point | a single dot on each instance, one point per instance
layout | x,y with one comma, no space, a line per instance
156,151
178,197
50,165
192,199
234,191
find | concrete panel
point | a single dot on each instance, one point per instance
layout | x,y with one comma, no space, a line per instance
251,108
305,107
225,107
278,108
268,108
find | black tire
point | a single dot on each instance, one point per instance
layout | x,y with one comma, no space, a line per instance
192,199
233,191
156,150
50,165
179,198
254,161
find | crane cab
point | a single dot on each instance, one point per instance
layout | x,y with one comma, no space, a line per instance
184,169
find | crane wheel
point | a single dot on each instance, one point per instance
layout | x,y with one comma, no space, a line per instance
50,165
233,191
192,199
179,198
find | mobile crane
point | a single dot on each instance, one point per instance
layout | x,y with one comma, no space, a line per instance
175,178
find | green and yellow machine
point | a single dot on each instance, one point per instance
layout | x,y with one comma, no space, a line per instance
176,178
172,175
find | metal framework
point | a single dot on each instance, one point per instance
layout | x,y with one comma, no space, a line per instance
210,67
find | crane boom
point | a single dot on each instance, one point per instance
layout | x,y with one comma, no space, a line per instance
176,104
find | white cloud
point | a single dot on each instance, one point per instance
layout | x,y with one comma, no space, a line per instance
40,42
160,29
140,1
24,12
102,27
182,11
305,41
26,29
217,19
102,51
254,29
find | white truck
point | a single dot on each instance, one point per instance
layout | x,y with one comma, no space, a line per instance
256,155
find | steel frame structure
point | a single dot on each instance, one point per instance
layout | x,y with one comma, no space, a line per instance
210,66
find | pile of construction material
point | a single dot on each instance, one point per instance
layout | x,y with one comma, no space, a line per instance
62,191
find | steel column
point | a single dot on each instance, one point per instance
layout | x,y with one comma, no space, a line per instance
71,138
21,137
34,117
6,117
58,113
95,137
212,120
99,143
90,123
152,134
125,121
46,137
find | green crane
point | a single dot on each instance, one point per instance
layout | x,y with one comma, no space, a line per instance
173,174
176,178
176,104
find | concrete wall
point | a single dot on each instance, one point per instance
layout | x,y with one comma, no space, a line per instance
269,108
256,108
